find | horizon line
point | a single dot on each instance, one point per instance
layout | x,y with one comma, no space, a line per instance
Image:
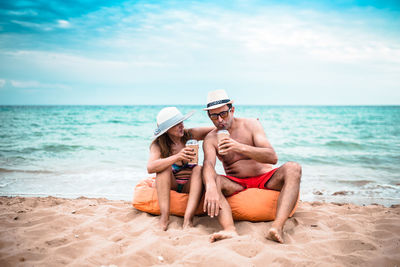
160,105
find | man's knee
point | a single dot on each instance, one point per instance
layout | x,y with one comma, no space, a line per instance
294,166
293,169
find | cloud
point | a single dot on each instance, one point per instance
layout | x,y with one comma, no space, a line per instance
36,85
205,44
334,36
63,68
2,83
63,24
201,40
24,84
26,12
32,25
170,31
70,60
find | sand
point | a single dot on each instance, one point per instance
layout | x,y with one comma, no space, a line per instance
98,232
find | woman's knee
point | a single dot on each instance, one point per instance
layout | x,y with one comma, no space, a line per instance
163,175
197,168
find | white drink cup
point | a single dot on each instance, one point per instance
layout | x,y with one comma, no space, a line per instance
194,144
221,134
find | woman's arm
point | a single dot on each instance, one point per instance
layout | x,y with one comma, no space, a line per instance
157,164
199,133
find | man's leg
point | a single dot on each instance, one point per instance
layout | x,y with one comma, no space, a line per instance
164,182
286,179
225,219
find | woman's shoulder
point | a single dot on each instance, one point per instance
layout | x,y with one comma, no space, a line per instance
154,145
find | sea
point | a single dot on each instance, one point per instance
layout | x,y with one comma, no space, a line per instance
348,153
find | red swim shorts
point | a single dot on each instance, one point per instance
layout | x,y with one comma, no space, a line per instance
253,182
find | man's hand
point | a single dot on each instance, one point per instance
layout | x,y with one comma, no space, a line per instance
211,201
227,145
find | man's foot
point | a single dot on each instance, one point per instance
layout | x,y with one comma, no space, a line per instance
222,235
163,223
275,234
187,224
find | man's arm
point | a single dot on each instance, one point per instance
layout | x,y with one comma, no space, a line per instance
212,197
262,150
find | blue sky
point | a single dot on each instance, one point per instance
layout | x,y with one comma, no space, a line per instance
174,52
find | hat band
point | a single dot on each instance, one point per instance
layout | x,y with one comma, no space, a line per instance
168,123
223,101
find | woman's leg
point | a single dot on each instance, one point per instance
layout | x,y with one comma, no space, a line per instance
195,188
163,185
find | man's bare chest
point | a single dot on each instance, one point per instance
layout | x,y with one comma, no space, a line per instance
243,137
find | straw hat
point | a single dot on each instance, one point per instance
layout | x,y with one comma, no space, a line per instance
216,99
168,118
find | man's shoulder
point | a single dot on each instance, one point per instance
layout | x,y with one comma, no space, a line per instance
249,122
211,135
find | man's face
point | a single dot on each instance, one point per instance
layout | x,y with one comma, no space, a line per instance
221,117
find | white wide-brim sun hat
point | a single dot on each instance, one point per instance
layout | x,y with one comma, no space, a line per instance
167,118
216,99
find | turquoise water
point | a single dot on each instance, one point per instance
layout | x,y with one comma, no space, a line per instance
348,154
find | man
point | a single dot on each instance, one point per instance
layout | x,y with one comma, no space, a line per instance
247,157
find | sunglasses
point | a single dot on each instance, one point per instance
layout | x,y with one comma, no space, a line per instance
223,115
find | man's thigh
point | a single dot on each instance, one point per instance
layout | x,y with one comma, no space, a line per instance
228,187
285,171
276,181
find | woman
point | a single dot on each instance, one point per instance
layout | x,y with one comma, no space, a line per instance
169,159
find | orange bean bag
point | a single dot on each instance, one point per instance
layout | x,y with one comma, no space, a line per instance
253,204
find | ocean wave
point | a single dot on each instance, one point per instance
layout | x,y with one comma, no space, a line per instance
3,170
356,182
128,136
344,144
56,148
60,148
116,122
315,160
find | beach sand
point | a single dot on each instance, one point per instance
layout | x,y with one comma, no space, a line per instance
98,232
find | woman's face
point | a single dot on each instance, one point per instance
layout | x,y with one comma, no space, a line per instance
177,130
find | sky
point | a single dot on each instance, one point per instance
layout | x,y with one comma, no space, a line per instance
86,52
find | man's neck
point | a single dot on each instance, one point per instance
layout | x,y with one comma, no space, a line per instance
233,125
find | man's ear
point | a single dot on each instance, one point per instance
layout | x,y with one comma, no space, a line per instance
233,109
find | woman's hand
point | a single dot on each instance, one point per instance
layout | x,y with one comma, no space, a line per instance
186,154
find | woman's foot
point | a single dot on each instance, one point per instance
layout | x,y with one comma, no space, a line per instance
187,223
163,223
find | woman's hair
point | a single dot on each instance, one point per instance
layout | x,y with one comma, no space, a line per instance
165,143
